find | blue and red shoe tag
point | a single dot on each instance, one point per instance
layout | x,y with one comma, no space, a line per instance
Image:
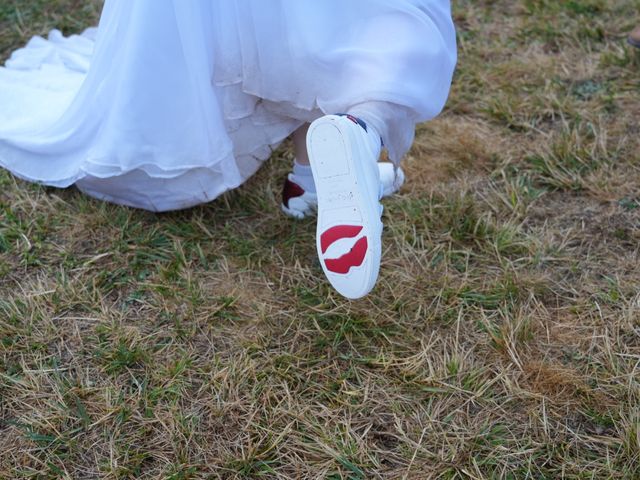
355,120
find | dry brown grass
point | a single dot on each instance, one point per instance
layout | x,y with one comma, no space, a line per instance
502,341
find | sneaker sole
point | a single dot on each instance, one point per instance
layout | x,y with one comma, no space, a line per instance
345,212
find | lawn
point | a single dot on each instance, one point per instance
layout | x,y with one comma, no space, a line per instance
501,342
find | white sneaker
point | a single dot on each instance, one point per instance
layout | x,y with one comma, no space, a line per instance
298,203
343,153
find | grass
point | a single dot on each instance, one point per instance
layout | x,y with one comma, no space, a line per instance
502,341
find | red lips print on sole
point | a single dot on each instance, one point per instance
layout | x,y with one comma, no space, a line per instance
353,258
344,155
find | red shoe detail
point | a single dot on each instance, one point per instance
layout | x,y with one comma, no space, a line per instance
336,233
354,258
291,190
355,120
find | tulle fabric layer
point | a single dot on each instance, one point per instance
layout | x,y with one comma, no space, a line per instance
169,103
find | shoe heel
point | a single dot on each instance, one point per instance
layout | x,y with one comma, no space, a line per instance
327,146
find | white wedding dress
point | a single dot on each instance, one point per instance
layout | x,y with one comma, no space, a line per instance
169,103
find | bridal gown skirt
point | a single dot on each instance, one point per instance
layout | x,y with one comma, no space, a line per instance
169,103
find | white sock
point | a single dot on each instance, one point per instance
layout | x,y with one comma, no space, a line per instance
394,123
302,176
